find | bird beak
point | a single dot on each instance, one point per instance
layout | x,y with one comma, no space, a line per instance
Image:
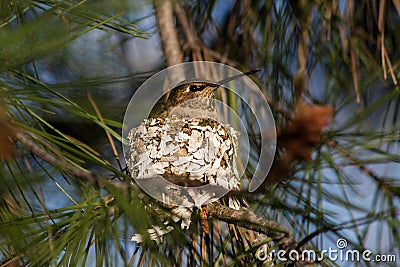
226,80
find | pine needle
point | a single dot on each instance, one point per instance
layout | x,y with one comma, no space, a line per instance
107,133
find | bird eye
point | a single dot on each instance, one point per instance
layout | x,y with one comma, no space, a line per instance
195,88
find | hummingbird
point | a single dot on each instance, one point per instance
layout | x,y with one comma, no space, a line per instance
182,123
185,143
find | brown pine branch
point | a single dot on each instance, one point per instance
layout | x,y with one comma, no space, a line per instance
195,44
50,156
169,37
246,218
188,33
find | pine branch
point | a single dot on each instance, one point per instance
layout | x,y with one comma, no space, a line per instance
246,218
188,33
195,44
169,36
51,157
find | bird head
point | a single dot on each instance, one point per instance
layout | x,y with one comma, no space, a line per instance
188,90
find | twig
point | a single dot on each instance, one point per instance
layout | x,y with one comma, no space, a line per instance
246,218
391,71
169,37
195,44
13,262
353,55
219,57
187,31
53,159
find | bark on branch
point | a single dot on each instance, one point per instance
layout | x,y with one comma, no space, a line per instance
51,157
246,218
169,37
